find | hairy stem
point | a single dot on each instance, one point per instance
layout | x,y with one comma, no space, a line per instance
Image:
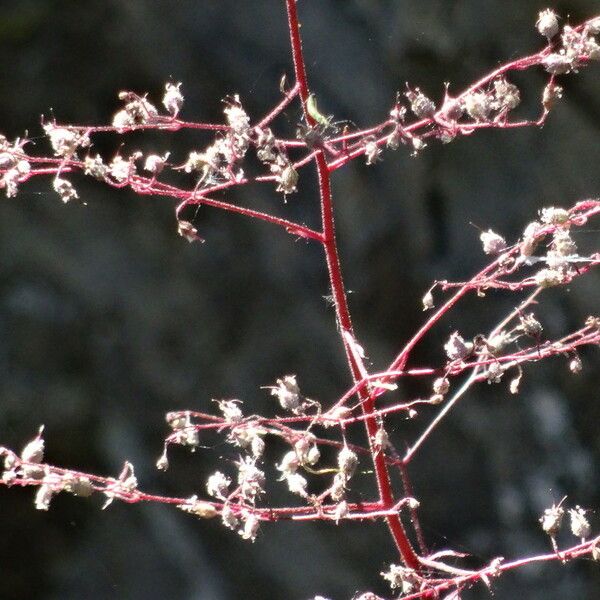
341,305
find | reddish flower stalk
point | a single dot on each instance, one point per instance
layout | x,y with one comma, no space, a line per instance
339,298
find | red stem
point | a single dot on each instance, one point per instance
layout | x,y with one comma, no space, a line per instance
289,96
341,306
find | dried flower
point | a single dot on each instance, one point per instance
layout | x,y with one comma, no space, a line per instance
288,394
43,496
64,189
95,167
427,300
441,385
250,478
557,63
64,141
347,461
231,410
530,325
251,526
420,104
154,163
580,526
306,450
593,26
338,488
551,520
453,108
393,140
547,23
494,372
10,182
335,415
287,180
7,161
313,456
196,161
591,49
173,98
548,278
398,113
188,436
187,231
33,452
478,105
121,169
507,96
237,118
372,151
266,148
296,484
78,485
122,120
217,485
402,577
492,242
457,348
248,435
530,238
418,144
257,446
229,518
23,167
137,111
552,92
593,322
575,364
289,463
162,464
185,432
554,216
574,44
497,342
341,511
515,382
124,486
563,243
381,440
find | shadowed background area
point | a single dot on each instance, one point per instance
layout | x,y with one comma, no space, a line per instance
108,319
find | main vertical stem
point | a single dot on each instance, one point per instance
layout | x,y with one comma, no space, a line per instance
340,301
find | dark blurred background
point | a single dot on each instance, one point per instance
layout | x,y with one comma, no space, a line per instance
108,319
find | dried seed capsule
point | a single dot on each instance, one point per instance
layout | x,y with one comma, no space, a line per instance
547,23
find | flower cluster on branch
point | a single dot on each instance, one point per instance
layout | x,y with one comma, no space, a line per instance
320,463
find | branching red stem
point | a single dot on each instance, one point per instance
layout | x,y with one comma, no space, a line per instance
339,298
